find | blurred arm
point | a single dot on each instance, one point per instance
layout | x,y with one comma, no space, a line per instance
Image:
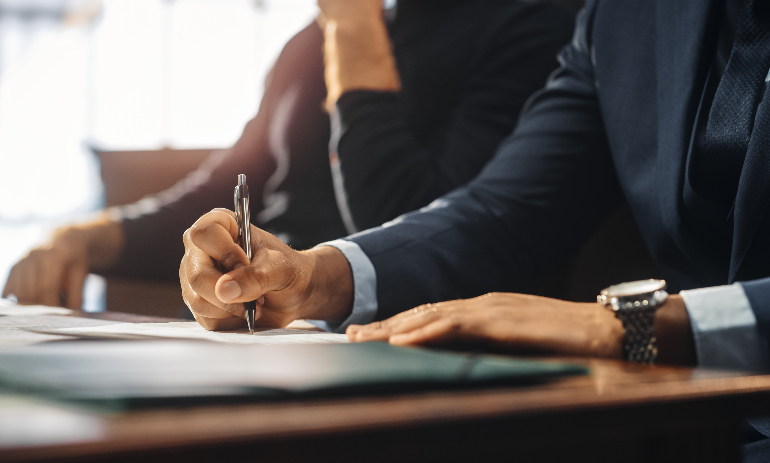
54,272
398,150
357,49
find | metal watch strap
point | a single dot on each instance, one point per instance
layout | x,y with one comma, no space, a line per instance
634,304
639,341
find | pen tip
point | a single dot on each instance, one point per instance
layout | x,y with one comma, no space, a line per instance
250,313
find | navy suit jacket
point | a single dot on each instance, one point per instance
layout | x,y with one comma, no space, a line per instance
615,121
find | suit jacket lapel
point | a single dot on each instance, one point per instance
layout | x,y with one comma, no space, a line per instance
753,197
682,27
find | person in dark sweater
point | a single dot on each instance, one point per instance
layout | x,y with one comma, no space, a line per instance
420,96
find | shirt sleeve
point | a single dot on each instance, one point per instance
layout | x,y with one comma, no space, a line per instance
725,329
364,287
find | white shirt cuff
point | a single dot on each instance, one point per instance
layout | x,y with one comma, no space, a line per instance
364,287
724,328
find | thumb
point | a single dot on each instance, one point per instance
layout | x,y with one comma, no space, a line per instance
269,270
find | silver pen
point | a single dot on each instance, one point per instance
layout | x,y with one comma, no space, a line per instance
243,218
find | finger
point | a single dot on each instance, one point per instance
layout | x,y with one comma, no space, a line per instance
384,332
420,311
269,271
200,305
353,330
25,280
75,279
215,234
220,324
51,282
442,331
404,322
201,275
11,284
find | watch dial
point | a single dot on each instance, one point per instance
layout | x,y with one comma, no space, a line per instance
636,287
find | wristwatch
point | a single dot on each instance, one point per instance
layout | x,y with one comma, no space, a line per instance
634,304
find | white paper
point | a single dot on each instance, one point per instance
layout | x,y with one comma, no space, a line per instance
23,330
192,330
27,310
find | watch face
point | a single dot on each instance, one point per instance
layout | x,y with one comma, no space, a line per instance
635,287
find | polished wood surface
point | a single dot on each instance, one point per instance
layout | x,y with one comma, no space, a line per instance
620,412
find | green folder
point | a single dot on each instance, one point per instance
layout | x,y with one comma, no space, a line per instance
139,373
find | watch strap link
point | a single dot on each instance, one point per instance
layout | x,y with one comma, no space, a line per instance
639,341
635,304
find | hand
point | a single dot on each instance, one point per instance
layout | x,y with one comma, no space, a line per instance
57,269
217,278
514,322
531,324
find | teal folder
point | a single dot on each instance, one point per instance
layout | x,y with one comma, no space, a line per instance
139,373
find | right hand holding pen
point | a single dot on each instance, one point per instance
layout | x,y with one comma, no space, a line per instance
217,278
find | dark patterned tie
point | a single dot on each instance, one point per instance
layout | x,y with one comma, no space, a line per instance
731,118
730,133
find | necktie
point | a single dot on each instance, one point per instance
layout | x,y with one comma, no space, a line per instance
731,118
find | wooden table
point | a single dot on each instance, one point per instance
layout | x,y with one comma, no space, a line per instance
621,412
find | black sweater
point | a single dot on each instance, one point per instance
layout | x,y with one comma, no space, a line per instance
467,68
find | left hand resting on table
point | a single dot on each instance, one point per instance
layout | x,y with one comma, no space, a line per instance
532,324
510,321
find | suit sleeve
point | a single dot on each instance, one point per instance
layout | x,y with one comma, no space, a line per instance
526,214
725,328
758,294
387,170
153,227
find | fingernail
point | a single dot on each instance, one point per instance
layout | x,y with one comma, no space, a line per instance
228,291
353,329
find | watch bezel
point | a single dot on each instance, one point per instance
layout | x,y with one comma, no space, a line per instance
623,296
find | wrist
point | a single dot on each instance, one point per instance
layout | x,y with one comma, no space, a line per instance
674,334
329,287
99,242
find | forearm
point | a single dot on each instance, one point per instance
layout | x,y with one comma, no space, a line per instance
357,52
102,238
462,94
384,169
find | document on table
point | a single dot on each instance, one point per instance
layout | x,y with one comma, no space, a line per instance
146,373
28,310
192,330
23,330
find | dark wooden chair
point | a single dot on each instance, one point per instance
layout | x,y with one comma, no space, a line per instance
129,176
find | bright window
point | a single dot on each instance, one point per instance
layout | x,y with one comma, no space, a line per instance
120,74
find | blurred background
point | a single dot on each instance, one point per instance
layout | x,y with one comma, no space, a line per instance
88,86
